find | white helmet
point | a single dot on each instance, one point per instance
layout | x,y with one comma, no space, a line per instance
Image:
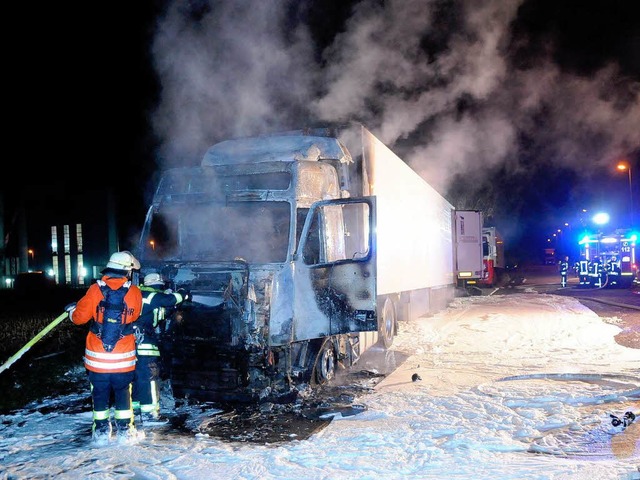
123,261
153,279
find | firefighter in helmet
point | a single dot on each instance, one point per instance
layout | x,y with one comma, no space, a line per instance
156,302
582,267
613,270
564,271
111,304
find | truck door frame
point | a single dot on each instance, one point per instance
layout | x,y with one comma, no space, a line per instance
344,288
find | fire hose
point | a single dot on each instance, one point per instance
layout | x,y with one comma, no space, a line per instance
14,358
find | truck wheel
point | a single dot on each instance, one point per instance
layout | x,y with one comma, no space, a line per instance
387,323
325,366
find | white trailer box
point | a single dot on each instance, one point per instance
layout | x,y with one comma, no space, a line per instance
468,247
413,231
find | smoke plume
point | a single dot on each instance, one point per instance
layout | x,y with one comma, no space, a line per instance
467,92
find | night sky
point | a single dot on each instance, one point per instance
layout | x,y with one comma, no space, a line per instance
517,108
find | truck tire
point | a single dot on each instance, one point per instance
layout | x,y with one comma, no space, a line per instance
324,369
387,323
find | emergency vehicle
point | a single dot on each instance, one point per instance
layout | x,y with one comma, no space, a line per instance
608,260
492,257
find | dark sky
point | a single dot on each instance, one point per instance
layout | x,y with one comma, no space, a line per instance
517,107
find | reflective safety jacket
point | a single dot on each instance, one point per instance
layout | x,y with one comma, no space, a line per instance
153,319
564,267
123,357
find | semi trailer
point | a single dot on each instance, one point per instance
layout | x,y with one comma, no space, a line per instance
301,250
468,243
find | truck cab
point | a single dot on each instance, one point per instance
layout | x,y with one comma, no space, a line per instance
280,262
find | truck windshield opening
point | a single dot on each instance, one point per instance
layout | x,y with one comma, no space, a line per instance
255,231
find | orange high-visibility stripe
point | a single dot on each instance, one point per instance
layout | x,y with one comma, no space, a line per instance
110,362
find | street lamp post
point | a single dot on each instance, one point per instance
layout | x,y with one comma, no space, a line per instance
622,166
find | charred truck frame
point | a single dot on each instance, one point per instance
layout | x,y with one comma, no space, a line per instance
299,257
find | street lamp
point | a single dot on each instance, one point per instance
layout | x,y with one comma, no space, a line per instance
622,166
153,245
29,255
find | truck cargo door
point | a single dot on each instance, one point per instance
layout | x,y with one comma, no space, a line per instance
335,270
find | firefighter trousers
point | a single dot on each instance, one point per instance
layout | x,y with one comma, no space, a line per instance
563,279
146,384
104,387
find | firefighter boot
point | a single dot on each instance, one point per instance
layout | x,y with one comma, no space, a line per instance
126,432
101,432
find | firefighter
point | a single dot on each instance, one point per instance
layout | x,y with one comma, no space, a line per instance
564,271
112,304
594,272
613,270
583,272
597,273
147,330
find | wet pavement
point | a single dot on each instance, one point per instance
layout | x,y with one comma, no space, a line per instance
619,306
546,279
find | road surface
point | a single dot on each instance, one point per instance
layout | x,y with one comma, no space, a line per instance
619,305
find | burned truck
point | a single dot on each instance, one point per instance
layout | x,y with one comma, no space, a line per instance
292,275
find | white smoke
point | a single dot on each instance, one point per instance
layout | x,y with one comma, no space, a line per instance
227,74
246,67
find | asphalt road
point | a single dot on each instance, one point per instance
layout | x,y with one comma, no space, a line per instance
546,279
620,306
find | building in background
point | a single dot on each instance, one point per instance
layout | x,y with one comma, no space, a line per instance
66,238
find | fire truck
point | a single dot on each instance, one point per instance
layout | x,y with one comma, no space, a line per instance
608,260
492,257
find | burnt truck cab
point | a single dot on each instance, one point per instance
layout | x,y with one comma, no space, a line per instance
275,241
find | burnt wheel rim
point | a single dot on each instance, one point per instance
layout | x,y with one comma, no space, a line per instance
326,365
388,322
